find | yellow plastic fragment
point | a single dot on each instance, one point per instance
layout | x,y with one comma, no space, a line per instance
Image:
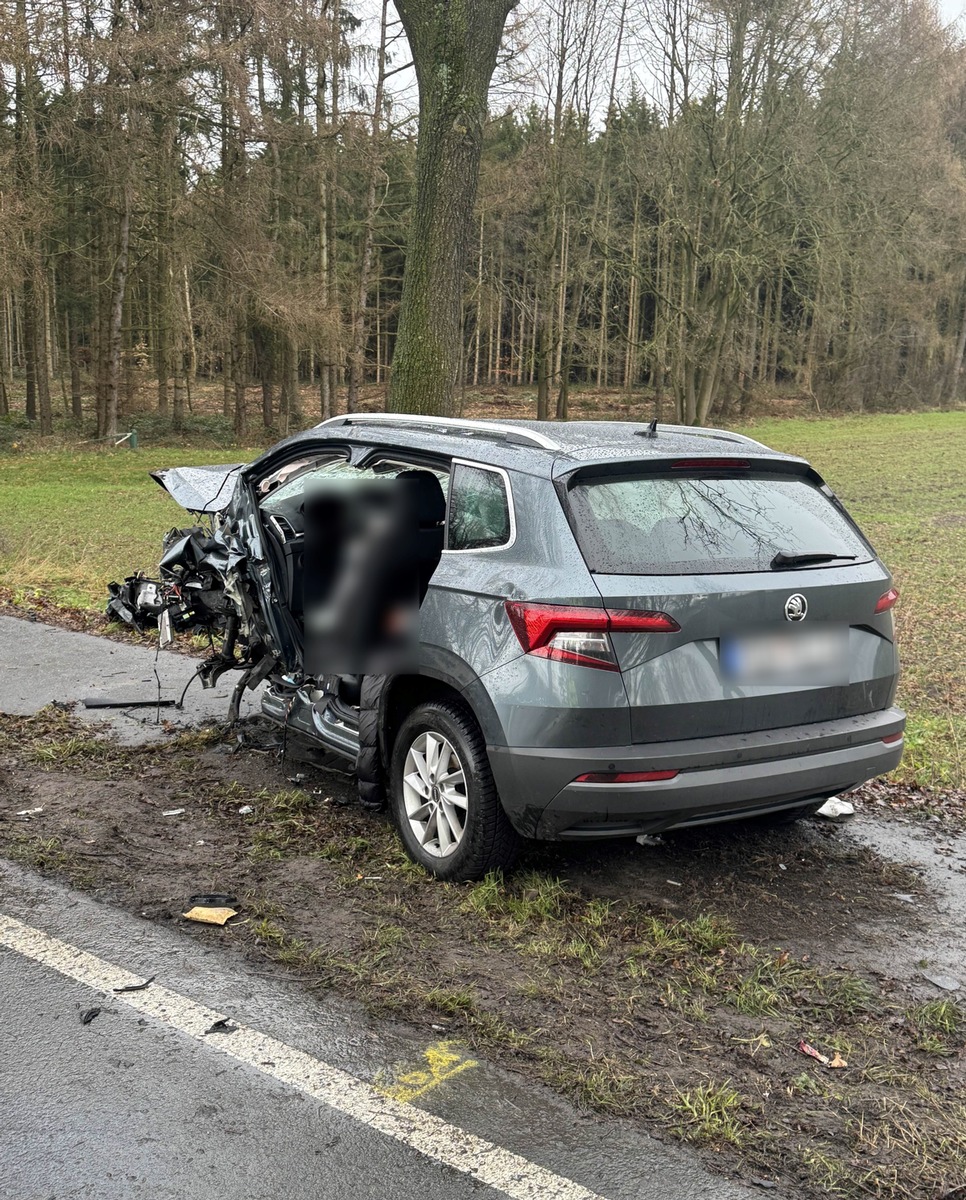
210,916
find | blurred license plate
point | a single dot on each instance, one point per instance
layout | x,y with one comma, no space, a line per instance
801,658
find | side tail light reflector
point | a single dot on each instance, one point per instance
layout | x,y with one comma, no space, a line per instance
892,738
887,600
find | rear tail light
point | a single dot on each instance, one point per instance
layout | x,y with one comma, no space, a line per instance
887,600
624,776
892,738
580,636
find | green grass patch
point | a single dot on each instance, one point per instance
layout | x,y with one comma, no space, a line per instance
938,1025
73,521
707,1114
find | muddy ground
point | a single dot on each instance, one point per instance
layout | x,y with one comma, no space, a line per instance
670,983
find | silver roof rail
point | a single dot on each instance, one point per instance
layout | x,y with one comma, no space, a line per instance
402,420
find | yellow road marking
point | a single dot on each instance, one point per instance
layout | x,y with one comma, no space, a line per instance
406,1083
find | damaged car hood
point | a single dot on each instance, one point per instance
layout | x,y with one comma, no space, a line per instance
200,489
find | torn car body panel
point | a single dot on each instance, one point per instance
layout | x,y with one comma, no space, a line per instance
137,602
200,489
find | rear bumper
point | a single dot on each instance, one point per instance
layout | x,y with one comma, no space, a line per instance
719,779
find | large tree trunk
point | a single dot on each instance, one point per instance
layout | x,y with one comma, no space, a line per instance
359,325
163,308
239,376
288,408
454,48
5,351
117,312
30,348
263,341
543,369
948,394
72,309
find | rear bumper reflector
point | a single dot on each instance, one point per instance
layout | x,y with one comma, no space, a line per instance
624,776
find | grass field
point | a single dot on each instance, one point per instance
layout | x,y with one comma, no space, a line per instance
72,521
903,478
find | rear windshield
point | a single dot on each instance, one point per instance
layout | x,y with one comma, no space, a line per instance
654,525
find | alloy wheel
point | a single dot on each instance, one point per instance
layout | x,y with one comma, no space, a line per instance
434,793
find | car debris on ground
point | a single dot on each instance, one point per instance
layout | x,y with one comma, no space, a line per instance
836,1061
211,908
945,983
210,916
836,809
135,987
222,1025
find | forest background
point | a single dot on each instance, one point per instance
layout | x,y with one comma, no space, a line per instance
697,202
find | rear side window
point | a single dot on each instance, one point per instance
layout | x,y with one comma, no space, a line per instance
479,512
654,525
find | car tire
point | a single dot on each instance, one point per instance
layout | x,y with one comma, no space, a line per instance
443,796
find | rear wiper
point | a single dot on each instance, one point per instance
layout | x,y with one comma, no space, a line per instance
783,561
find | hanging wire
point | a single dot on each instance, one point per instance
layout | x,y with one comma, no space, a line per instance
194,676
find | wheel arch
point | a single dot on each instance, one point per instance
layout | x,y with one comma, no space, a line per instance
402,693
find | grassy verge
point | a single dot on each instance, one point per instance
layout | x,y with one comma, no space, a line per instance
73,521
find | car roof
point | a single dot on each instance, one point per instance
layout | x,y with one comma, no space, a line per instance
536,447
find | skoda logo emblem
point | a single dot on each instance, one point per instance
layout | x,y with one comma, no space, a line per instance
796,607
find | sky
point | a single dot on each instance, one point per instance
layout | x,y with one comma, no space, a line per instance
403,85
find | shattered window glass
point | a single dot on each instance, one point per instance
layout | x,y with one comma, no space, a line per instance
292,479
479,514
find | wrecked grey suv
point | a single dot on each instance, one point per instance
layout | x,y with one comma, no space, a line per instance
557,630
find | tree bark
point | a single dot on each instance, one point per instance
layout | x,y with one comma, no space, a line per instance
4,360
359,323
239,377
948,396
117,312
30,348
543,369
288,408
454,48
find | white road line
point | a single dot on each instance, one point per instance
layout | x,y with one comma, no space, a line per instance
509,1173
